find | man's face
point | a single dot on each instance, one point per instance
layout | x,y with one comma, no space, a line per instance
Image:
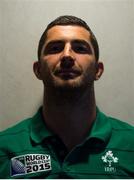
67,58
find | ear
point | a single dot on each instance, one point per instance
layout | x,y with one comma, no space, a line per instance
99,70
37,69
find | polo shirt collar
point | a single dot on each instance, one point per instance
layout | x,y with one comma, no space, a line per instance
101,128
38,130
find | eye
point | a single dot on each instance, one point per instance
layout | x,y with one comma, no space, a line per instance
81,47
53,48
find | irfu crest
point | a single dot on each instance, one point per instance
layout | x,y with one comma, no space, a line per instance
109,158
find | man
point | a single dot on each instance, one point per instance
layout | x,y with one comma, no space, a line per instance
68,137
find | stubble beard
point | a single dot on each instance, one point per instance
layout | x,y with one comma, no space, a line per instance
72,89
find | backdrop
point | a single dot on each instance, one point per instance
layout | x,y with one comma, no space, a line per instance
21,25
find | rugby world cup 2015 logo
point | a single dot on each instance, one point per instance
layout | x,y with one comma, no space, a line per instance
17,166
30,163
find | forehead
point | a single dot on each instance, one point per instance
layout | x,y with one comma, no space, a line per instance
67,33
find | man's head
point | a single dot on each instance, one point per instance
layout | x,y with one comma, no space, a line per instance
69,20
68,55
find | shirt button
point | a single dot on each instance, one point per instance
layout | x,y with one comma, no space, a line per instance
53,140
62,153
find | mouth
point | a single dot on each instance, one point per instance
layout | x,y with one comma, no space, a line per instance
67,74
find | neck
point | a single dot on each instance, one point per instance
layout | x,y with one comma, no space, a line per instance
69,114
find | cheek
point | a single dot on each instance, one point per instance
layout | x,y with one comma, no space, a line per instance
50,61
86,61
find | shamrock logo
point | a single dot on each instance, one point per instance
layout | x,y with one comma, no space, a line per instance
109,158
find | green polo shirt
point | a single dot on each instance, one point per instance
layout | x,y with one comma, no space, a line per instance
30,150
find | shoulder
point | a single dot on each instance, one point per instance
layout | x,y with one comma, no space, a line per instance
17,128
13,141
122,134
14,134
120,125
117,125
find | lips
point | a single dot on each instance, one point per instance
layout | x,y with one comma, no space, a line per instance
67,74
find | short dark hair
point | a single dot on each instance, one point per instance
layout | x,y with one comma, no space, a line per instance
69,20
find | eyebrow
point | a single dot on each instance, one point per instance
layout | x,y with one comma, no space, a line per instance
80,41
72,41
54,42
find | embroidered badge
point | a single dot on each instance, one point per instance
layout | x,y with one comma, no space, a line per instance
110,160
30,163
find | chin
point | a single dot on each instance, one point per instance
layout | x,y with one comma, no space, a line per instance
77,83
69,84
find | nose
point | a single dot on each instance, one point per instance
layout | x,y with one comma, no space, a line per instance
67,62
67,58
